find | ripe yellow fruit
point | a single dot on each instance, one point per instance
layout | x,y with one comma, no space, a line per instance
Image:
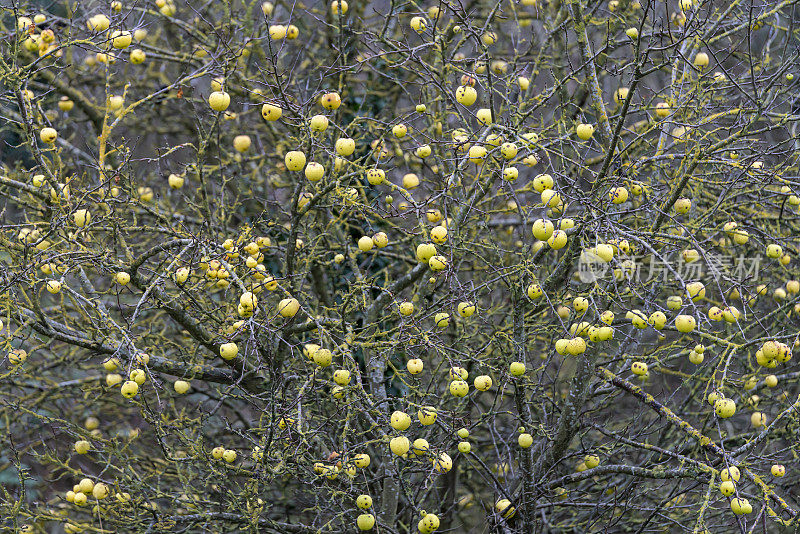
696,291
48,135
414,366
682,206
581,304
778,470
639,368
459,388
229,456
558,240
771,380
341,377
685,323
607,317
288,307
380,239
724,408
420,447
477,154
423,151
550,198
81,217
365,243
426,415
489,38
727,488
400,420
442,319
543,229
585,131
113,379
510,174
121,39
53,286
534,291
330,101
674,303
364,502
175,181
620,95
82,446
576,346
443,463
425,251
758,419
91,423
295,160
100,491
418,24
129,389
122,278
181,386
322,357
219,100
271,112
277,32
437,263
730,473
504,508
406,308
457,373
228,351
466,309
241,143
516,369
740,506
98,23
701,60
410,181
314,171
138,376
365,521
484,116
466,95
428,524
399,445
542,182
662,110
439,234
618,195
79,499
376,176
774,251
657,320
138,56
482,382
345,146
65,104
508,150
525,440
181,275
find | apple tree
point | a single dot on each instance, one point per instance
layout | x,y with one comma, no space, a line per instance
485,266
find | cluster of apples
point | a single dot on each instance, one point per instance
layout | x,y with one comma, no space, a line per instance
136,378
